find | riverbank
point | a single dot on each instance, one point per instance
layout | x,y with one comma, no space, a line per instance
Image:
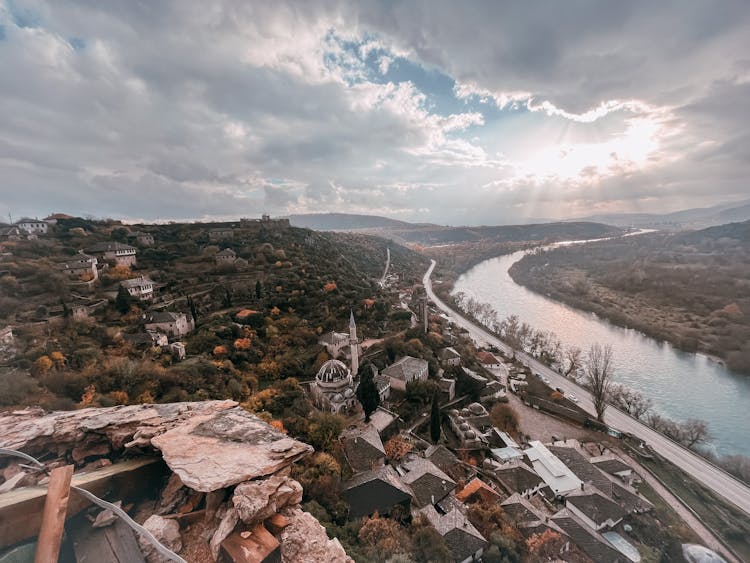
712,325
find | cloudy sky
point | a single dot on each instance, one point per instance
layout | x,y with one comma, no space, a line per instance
452,112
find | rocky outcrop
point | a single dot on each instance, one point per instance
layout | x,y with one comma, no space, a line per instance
230,475
306,541
257,500
209,445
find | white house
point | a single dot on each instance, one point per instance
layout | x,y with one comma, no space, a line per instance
32,226
225,257
141,288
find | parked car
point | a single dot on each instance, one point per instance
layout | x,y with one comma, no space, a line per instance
573,398
559,390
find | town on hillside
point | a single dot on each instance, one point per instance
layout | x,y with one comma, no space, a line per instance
249,391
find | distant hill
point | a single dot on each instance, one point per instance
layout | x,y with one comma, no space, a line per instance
695,218
739,231
344,221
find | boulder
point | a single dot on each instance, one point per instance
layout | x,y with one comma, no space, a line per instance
257,500
166,531
305,540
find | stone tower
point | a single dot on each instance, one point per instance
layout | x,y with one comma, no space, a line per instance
353,344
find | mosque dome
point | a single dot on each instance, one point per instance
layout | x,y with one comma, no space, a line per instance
332,371
349,392
337,398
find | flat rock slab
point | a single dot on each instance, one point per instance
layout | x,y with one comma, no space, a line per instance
209,445
218,450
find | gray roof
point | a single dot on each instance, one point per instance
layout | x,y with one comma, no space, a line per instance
363,447
587,539
163,317
520,509
596,506
386,473
442,457
405,368
518,476
612,466
379,489
426,481
582,468
629,499
136,282
381,381
461,537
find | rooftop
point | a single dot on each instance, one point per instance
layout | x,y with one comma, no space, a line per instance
553,471
428,483
405,368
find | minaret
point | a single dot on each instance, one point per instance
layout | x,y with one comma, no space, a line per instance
354,345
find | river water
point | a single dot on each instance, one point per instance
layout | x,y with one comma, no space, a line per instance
681,385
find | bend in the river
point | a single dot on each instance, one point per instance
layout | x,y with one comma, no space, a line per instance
681,385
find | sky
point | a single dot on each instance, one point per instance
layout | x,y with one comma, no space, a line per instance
449,112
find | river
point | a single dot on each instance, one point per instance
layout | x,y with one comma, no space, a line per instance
680,384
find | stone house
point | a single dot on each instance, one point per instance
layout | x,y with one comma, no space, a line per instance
141,288
81,267
225,257
117,252
406,370
378,490
174,325
449,357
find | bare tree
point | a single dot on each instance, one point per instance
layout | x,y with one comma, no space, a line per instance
693,431
599,376
630,401
574,359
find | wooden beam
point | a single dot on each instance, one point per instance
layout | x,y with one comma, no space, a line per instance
53,517
21,509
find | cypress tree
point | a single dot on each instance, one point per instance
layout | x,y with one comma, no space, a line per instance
367,392
435,420
123,300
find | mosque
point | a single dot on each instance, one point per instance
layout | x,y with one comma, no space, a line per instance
334,388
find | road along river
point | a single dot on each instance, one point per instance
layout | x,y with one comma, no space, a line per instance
680,384
712,477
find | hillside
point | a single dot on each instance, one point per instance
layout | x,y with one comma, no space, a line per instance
295,284
691,289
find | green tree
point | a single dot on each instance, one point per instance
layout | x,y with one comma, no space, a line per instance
324,430
123,301
367,392
435,420
258,289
